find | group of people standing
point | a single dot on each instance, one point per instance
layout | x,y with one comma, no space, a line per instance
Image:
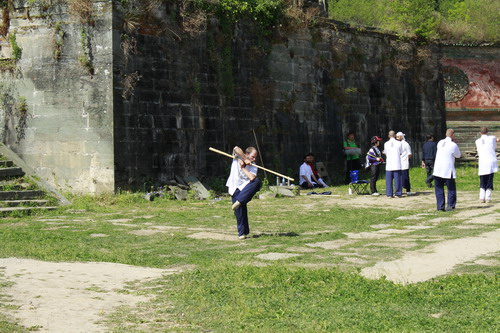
398,153
438,159
397,169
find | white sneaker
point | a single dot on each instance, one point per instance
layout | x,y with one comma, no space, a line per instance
242,237
410,193
375,194
236,205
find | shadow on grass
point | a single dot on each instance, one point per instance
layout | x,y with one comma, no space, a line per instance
425,193
279,234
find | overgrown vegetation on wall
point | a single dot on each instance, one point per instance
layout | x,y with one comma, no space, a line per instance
13,113
450,20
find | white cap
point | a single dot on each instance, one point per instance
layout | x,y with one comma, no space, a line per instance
400,134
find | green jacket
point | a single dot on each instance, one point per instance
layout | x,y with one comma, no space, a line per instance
349,143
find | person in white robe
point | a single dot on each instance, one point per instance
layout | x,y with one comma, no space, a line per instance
488,163
444,171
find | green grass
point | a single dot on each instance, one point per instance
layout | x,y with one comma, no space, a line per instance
281,299
231,290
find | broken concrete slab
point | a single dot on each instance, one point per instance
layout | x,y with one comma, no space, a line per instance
195,185
393,231
267,195
283,190
331,245
277,256
365,235
179,193
418,227
214,236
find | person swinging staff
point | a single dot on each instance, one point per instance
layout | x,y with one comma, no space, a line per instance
242,185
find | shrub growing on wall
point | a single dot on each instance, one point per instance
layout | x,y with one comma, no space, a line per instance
16,50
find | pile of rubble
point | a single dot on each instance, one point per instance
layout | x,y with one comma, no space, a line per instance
180,189
192,188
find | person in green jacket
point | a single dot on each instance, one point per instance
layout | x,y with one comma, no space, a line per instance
352,152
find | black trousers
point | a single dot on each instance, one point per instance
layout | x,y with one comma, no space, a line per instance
429,168
374,173
486,181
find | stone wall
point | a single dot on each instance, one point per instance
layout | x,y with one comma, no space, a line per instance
65,74
152,100
298,91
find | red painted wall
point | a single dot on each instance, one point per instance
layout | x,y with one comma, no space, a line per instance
482,67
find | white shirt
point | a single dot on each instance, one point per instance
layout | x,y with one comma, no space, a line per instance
237,178
405,163
444,166
305,170
393,150
488,162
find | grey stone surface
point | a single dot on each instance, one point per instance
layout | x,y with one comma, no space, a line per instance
179,193
267,195
98,131
197,186
68,107
282,190
276,256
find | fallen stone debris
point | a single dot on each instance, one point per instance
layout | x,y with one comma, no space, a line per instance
179,189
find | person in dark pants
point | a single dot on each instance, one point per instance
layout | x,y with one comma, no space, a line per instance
351,150
393,151
373,161
428,157
242,185
444,171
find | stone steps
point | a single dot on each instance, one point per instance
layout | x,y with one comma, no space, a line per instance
11,172
467,132
5,211
25,203
18,194
21,195
6,164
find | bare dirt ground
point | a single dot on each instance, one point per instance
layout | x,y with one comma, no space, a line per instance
70,297
53,297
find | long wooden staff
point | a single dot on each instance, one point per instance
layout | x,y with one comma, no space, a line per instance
231,156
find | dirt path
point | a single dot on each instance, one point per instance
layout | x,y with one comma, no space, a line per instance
435,260
69,297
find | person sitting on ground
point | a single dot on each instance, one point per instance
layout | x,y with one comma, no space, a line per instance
373,161
310,161
307,177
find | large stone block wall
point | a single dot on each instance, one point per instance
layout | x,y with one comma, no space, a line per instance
296,92
68,135
144,114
